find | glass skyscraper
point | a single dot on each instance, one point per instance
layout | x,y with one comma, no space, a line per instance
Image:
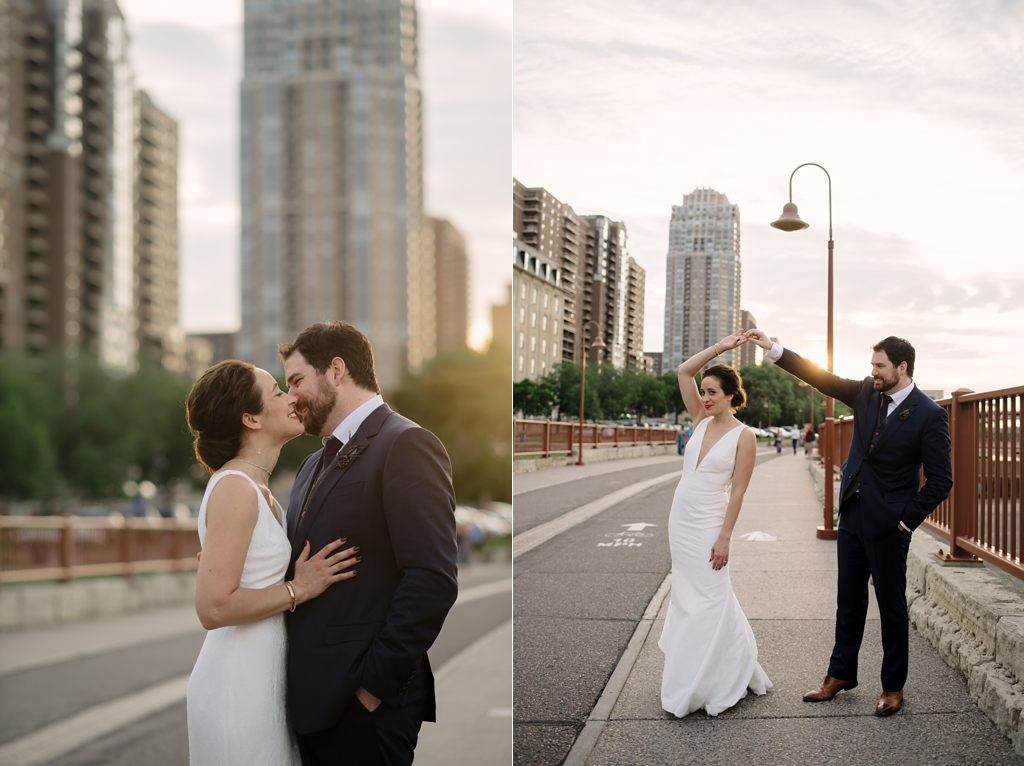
331,176
702,276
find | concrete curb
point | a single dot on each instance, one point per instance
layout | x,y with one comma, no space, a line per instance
33,605
975,621
600,455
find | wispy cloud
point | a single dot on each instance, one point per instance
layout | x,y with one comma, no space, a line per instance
914,107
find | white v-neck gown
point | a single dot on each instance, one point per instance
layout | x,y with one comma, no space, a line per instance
710,652
236,693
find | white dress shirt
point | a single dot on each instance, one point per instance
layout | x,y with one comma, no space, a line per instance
351,424
896,399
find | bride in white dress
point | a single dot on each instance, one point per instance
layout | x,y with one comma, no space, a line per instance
710,652
236,694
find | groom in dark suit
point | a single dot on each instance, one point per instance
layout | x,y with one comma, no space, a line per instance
897,430
359,682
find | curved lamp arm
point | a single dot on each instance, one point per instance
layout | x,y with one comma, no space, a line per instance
815,164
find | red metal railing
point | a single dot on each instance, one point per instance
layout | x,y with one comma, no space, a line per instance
65,547
982,515
544,438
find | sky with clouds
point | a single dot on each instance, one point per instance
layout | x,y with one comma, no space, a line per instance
187,55
915,107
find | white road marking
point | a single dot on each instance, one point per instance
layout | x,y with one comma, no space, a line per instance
51,742
759,537
531,538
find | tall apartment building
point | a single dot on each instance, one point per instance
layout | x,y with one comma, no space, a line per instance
702,279
331,176
156,235
553,229
451,280
608,292
750,353
538,299
68,184
636,283
501,322
603,284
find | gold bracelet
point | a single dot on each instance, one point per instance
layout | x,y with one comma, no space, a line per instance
291,592
717,352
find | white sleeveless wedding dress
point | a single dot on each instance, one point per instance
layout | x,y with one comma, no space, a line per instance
236,694
710,652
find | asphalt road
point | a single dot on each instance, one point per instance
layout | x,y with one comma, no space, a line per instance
32,699
579,597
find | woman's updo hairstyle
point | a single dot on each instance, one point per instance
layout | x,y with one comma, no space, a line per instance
732,383
214,410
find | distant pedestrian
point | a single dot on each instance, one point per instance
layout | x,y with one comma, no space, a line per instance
778,442
795,436
681,441
809,440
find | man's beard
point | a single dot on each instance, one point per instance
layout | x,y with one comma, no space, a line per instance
315,411
884,384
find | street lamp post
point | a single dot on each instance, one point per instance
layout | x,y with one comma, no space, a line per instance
790,221
598,343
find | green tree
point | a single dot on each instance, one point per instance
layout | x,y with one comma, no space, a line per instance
651,399
673,398
534,398
28,462
566,380
618,390
464,398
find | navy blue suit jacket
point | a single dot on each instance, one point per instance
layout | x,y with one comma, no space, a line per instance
916,435
395,501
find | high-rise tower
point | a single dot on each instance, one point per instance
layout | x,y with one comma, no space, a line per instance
332,179
702,276
67,181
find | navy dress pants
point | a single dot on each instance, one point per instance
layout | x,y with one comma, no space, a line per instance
385,737
884,560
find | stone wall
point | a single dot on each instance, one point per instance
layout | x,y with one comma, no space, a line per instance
974,617
590,455
32,605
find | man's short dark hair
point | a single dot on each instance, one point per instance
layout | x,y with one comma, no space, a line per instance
320,343
898,350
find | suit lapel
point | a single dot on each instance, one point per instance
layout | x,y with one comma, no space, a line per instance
355,449
300,490
895,424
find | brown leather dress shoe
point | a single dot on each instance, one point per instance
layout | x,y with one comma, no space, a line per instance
829,688
889,703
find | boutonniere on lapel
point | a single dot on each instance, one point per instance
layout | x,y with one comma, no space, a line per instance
345,459
904,415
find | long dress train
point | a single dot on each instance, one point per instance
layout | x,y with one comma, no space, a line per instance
710,651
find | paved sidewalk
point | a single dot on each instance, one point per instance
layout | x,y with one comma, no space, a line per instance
474,702
787,588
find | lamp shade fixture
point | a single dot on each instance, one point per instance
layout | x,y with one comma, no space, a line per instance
790,219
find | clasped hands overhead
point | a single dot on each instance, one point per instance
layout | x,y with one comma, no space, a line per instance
738,338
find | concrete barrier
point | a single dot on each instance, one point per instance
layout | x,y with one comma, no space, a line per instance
32,605
590,455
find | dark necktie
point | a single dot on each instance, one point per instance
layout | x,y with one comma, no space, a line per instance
330,452
883,409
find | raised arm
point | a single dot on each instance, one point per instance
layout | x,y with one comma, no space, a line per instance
843,389
689,369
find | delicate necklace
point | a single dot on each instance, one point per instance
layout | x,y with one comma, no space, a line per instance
252,464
